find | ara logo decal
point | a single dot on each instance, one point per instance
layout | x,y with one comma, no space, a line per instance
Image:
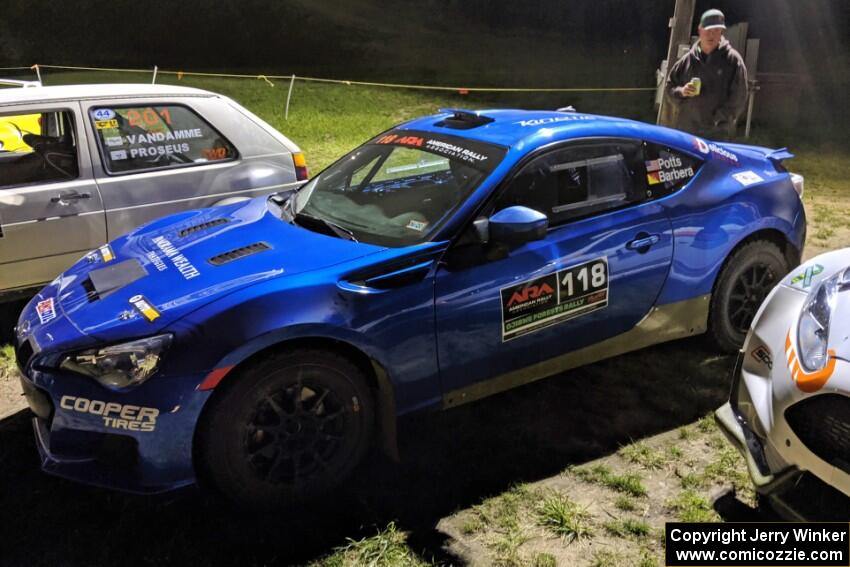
804,279
808,382
529,293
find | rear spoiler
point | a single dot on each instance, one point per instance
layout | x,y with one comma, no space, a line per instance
778,156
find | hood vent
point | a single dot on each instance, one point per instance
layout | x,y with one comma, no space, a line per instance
237,253
203,226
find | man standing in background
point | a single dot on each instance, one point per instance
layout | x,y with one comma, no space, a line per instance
707,87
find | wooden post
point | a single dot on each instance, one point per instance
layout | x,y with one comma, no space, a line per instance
680,32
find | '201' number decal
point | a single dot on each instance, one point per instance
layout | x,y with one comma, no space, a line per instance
148,117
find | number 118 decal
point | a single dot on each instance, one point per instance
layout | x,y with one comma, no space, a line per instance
553,298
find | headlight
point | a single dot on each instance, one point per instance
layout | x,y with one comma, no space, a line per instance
120,366
813,326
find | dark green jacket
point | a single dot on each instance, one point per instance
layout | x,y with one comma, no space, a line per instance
723,96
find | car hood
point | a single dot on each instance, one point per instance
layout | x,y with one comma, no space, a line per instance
151,277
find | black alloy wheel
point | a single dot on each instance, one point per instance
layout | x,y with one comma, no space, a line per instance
747,277
295,432
285,429
748,293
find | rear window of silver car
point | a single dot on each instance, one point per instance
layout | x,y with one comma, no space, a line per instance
140,138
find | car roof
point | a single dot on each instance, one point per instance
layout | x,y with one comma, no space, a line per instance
18,95
533,128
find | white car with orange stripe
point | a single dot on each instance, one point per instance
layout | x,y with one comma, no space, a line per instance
789,411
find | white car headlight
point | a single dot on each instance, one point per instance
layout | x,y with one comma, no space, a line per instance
120,366
813,326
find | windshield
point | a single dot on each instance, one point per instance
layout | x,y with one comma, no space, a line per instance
397,189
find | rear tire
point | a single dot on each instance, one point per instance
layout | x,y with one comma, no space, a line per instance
746,279
286,429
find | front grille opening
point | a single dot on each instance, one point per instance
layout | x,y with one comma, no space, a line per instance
823,425
202,226
23,354
237,253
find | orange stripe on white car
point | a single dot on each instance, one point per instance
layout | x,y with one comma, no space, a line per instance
807,381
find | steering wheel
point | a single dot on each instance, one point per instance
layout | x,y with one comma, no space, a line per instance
52,151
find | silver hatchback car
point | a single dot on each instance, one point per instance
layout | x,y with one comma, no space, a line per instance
83,164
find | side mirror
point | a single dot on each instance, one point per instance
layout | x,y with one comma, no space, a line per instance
517,225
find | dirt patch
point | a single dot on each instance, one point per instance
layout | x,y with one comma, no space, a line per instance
11,400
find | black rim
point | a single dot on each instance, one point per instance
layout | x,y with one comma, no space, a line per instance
749,292
295,433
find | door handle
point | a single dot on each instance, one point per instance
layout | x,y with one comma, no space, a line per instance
643,241
65,198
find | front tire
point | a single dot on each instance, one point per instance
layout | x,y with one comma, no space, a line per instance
746,279
286,429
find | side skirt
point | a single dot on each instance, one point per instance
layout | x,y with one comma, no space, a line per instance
663,323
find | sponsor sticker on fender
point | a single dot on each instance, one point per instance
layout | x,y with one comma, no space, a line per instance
46,310
144,307
106,253
540,302
747,178
115,416
804,279
763,355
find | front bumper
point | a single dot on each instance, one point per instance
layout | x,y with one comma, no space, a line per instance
137,441
781,428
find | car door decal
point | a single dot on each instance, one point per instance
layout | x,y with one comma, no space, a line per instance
546,300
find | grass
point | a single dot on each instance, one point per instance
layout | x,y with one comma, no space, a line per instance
625,503
500,517
7,359
644,455
606,558
628,527
563,517
690,506
388,548
628,483
706,424
544,560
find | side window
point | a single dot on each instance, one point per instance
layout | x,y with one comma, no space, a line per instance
579,180
142,138
668,170
39,147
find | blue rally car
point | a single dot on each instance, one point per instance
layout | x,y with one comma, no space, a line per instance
263,345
